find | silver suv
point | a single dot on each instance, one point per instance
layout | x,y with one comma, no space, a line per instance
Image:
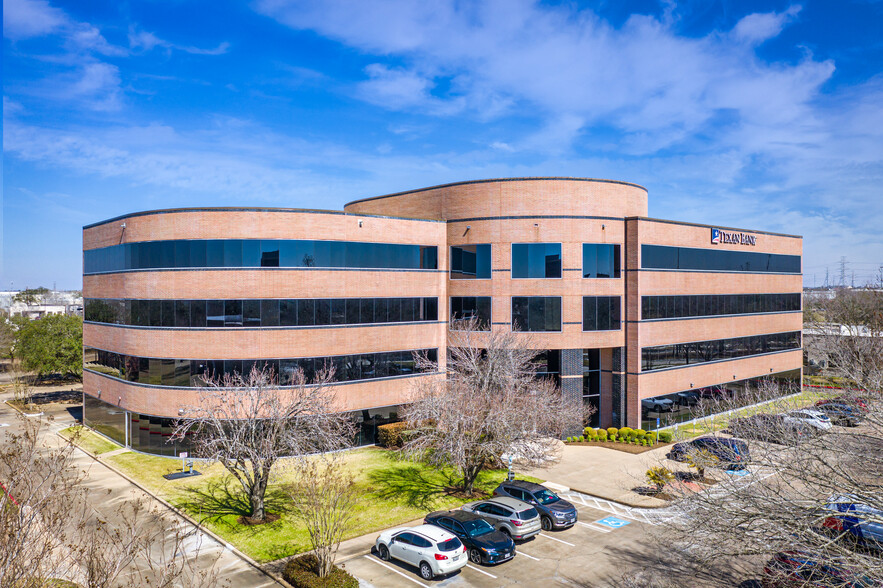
517,519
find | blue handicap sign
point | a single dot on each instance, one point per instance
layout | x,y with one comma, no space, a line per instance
738,472
612,522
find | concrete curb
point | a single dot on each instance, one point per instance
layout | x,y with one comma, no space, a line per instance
182,514
21,412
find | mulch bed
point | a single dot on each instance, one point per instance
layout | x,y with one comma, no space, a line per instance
624,447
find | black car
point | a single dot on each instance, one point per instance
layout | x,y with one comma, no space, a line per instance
484,544
730,452
842,414
771,428
555,512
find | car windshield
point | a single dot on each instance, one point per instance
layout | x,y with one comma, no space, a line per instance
477,527
545,497
449,545
528,514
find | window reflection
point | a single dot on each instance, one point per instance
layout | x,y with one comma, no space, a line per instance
536,313
601,313
471,262
688,258
536,260
600,260
464,308
667,356
258,253
663,307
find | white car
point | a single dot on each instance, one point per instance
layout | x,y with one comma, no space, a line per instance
434,551
813,418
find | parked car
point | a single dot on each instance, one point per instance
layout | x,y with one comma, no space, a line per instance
658,404
772,428
434,551
861,402
484,544
730,452
555,512
806,570
859,519
517,519
814,418
842,414
689,398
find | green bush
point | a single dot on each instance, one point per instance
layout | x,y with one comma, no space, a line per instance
625,431
651,437
588,431
612,432
582,438
665,436
300,573
391,435
602,435
641,433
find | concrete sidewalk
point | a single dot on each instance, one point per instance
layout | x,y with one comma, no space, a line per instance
605,473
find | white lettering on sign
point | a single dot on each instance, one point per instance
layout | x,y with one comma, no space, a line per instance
719,236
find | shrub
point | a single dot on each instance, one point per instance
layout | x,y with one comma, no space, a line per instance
300,573
612,432
602,435
659,477
651,437
625,431
664,436
641,432
582,438
588,431
391,435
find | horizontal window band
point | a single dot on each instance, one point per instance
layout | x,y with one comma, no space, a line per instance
713,316
706,271
534,217
334,383
275,328
694,365
259,268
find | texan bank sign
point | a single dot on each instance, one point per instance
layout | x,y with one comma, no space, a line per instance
719,236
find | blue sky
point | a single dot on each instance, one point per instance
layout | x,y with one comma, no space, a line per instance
759,115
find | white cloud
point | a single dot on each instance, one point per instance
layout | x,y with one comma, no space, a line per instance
757,28
23,19
147,41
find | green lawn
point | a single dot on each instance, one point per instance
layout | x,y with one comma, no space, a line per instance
393,492
711,424
89,440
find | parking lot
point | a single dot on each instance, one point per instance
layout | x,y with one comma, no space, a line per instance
589,549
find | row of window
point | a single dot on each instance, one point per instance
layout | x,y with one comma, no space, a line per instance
193,372
304,312
717,260
663,307
533,260
681,354
216,253
540,313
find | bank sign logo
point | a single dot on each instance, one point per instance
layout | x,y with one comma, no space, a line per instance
718,236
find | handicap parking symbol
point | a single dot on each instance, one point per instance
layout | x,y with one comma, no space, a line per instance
738,472
612,522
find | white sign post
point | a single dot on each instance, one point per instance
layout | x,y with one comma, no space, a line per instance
183,456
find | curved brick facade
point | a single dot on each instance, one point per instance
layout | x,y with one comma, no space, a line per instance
604,366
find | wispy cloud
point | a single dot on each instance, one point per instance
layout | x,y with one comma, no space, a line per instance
147,41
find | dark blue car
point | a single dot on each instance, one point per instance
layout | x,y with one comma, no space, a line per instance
732,453
861,521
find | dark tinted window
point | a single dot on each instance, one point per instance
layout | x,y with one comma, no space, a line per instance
600,260
667,356
254,253
536,313
471,262
601,313
528,514
468,307
422,541
687,258
449,545
655,307
536,260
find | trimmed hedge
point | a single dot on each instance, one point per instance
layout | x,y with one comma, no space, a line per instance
602,435
391,435
300,573
664,436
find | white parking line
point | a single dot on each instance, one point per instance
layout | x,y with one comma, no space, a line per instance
595,528
481,571
556,539
392,569
527,556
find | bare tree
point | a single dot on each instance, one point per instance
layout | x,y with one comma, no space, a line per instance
490,403
49,531
845,334
247,423
324,498
780,504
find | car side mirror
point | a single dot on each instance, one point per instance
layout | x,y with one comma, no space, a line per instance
393,540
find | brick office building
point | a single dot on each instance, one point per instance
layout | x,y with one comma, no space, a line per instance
622,307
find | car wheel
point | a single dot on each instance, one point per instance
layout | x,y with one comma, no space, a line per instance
425,571
506,532
475,556
547,523
384,552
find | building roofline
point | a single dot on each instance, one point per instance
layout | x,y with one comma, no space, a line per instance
251,209
672,222
486,181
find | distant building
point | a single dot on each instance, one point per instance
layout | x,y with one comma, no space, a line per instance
57,302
